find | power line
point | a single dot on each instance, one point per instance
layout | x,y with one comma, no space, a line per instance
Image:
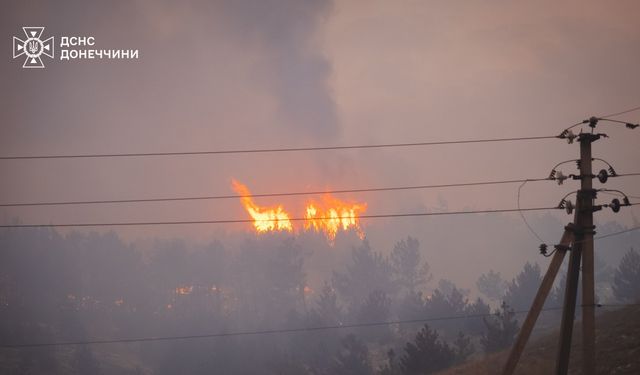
299,149
273,150
618,194
236,221
617,304
614,234
621,113
285,194
297,193
524,219
249,333
617,233
275,331
522,214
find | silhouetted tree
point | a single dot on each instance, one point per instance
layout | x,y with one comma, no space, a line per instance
522,289
427,354
447,286
392,365
491,285
473,325
462,347
440,305
327,309
376,308
445,304
411,306
369,271
410,272
209,265
284,277
169,267
556,297
316,349
626,280
269,279
502,328
352,358
603,275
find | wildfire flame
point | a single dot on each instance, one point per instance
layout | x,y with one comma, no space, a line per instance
333,215
328,216
264,218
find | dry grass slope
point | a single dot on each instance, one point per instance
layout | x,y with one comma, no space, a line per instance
617,343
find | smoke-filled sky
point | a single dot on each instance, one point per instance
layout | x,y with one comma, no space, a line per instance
284,73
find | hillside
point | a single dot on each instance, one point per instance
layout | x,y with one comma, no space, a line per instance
617,346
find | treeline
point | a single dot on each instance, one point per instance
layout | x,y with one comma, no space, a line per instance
56,288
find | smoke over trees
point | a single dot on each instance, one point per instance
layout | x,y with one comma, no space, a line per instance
77,287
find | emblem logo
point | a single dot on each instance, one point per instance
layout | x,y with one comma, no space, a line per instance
33,47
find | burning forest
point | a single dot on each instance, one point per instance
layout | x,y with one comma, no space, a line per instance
328,215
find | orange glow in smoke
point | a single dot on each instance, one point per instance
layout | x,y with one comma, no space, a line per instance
184,290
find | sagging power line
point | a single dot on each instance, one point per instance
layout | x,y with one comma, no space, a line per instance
238,221
275,150
621,112
273,331
284,194
263,195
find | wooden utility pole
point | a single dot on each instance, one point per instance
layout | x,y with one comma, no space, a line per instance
569,304
578,238
582,247
538,301
586,196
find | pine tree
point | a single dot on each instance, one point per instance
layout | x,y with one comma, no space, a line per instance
472,325
327,309
522,289
392,367
427,354
376,308
626,281
352,358
491,285
369,271
463,347
409,271
502,328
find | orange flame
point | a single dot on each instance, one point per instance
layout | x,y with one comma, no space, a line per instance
330,216
264,218
334,215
